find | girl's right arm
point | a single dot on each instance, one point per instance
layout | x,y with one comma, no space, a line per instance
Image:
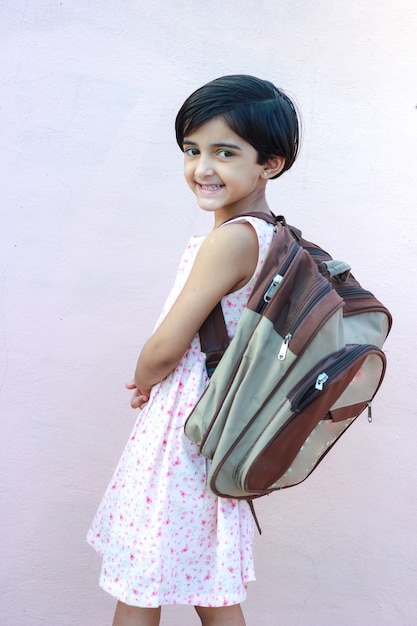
225,262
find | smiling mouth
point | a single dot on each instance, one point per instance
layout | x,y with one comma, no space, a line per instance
210,187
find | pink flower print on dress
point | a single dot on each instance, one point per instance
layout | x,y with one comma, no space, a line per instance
160,485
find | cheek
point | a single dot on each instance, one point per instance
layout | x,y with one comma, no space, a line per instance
189,178
188,170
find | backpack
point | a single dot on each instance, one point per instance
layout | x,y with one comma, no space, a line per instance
305,362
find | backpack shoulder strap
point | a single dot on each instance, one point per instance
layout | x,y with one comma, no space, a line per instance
213,333
295,232
270,218
214,338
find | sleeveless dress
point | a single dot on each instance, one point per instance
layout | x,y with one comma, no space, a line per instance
163,536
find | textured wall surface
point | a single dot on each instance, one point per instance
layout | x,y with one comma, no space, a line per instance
94,216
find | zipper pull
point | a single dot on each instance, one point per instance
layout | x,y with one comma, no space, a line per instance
320,381
369,412
284,347
272,287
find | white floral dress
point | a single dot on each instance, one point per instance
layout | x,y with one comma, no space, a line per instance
164,537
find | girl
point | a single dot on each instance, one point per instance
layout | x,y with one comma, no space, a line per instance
164,537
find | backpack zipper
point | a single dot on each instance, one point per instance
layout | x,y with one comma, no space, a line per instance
284,347
325,375
269,293
357,292
316,294
321,380
319,253
276,280
350,295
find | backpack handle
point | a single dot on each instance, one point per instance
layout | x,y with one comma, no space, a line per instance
339,270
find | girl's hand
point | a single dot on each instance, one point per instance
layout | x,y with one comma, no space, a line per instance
139,398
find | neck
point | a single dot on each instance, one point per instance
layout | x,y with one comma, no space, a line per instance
243,207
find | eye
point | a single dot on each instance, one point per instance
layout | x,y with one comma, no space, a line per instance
225,154
190,151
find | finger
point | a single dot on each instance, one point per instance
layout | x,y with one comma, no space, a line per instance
135,402
131,385
138,401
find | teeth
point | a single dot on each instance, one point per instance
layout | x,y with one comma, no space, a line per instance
210,187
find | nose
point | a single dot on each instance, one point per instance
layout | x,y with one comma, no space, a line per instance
204,166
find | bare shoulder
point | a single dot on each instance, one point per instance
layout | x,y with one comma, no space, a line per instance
230,239
225,262
229,255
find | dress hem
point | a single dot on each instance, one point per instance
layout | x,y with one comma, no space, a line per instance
192,600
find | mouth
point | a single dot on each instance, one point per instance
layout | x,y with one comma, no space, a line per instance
208,189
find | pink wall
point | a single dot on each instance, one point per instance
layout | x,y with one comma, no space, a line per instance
94,217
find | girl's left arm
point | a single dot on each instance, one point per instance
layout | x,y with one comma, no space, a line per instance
225,262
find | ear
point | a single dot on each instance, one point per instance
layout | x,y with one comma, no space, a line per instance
273,166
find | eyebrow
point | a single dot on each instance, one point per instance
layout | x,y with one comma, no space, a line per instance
223,144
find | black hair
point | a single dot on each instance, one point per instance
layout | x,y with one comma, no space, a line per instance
254,109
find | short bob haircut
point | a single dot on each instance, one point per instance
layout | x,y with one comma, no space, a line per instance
254,109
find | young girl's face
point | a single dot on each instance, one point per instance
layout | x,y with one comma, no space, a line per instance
221,169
